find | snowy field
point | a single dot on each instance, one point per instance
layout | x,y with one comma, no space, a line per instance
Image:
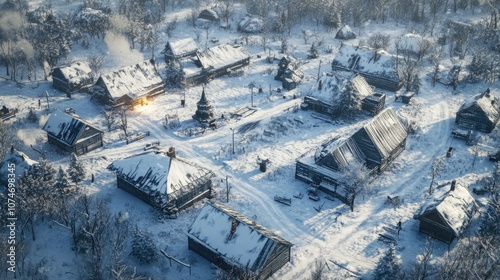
348,242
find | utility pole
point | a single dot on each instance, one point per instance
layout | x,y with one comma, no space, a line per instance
227,189
252,96
233,138
319,68
47,97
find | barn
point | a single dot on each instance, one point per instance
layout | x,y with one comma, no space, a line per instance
376,66
179,49
74,77
131,85
382,139
481,112
236,243
376,144
449,214
166,182
335,92
72,134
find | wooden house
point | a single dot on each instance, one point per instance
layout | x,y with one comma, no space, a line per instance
236,243
209,14
131,85
449,214
375,145
289,73
74,77
382,139
481,112
72,134
166,182
335,93
180,49
345,33
221,60
250,24
377,66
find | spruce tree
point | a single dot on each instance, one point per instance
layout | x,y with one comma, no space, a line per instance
388,267
76,171
143,247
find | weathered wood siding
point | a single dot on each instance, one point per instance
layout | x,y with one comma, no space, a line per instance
433,225
81,147
310,175
278,258
474,118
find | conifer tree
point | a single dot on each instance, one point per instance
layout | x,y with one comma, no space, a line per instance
76,170
388,267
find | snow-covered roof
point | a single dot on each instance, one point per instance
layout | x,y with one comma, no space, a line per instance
411,41
222,56
386,131
76,72
209,14
22,162
487,103
135,81
345,32
455,207
182,47
249,246
335,85
66,128
157,173
366,60
339,153
250,24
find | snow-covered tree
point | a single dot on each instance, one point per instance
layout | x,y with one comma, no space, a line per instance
435,170
388,267
355,180
143,247
76,171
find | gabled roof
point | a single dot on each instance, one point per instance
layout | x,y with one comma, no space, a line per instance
21,161
386,131
76,71
487,103
334,85
134,81
345,33
156,173
66,128
249,246
339,153
222,55
455,208
366,60
182,47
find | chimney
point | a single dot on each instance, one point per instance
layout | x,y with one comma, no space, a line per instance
234,223
171,152
453,184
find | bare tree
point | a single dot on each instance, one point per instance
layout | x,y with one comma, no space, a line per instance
171,26
379,41
421,268
96,62
306,35
407,67
435,171
318,271
435,58
109,119
355,179
227,10
123,123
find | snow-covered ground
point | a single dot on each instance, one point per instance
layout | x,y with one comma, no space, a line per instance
347,241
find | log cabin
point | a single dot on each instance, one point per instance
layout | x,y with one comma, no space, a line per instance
481,112
74,77
236,243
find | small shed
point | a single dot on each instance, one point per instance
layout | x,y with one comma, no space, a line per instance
74,77
166,182
374,103
291,78
131,85
236,243
378,67
71,133
21,161
449,214
481,112
209,14
179,49
345,33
